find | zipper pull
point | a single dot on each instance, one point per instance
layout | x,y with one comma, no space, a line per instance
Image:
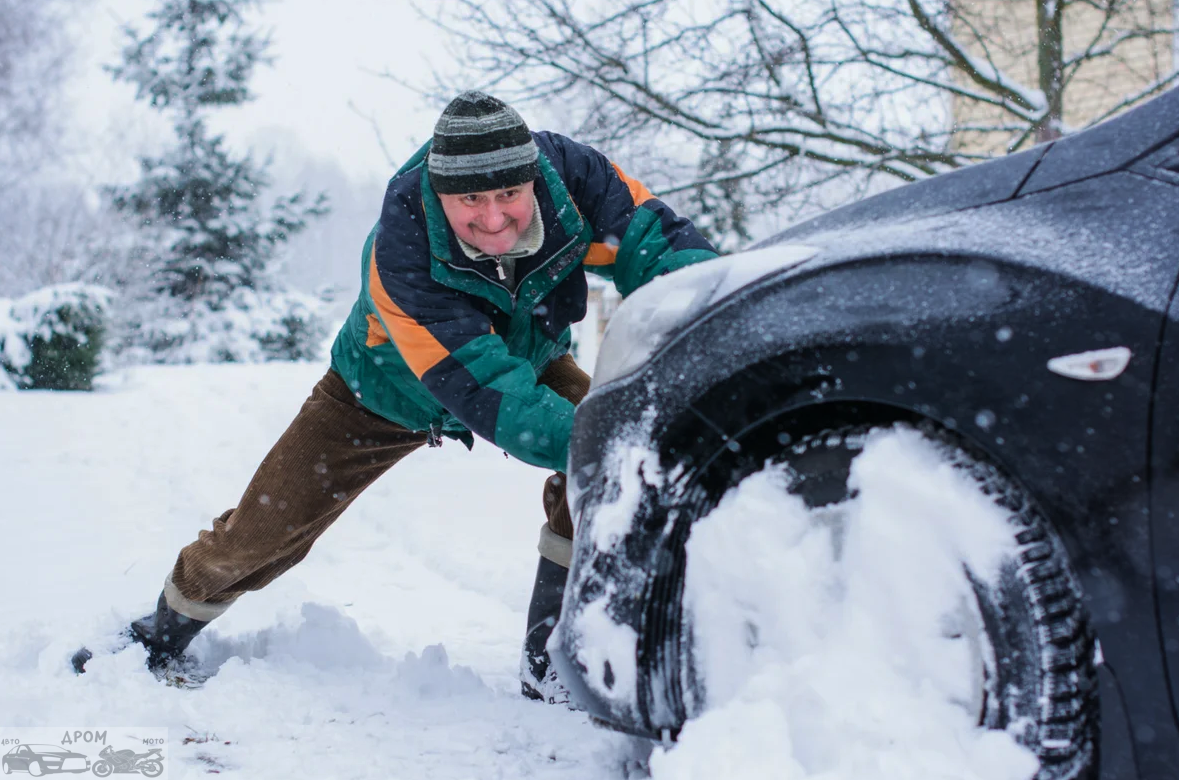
499,269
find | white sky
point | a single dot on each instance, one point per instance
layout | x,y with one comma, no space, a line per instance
326,55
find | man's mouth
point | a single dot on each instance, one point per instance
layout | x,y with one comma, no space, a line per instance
487,232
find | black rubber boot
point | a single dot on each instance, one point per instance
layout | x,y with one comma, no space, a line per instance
165,633
538,680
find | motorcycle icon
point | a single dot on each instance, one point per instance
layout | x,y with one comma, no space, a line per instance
113,761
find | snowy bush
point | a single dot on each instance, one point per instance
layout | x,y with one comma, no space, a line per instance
13,350
251,327
293,328
52,339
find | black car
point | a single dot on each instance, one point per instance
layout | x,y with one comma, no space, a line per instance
1021,314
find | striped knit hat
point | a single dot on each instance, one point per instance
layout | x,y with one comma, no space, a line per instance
480,144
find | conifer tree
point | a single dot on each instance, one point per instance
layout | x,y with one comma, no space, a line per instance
215,245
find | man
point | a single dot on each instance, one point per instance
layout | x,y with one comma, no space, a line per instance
469,282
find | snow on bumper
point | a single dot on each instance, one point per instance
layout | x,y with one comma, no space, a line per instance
598,645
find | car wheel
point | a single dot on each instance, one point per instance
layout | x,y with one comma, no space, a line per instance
1028,629
35,769
7,768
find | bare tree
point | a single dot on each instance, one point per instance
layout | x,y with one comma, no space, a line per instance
48,226
57,232
744,105
34,55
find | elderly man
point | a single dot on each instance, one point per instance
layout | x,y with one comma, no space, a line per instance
469,282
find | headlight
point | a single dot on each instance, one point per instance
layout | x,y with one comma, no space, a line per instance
656,310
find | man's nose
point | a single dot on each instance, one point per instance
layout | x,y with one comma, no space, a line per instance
493,217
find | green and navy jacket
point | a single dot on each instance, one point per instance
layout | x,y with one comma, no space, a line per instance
437,343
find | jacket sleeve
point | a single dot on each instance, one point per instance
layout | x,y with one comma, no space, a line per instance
636,236
450,346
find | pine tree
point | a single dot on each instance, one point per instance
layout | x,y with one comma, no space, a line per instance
216,244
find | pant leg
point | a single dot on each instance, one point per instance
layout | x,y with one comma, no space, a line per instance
330,453
537,678
570,382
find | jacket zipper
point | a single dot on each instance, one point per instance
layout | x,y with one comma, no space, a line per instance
499,267
481,276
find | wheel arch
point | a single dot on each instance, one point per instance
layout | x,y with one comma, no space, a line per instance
975,366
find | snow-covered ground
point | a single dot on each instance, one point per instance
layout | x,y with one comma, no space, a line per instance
391,651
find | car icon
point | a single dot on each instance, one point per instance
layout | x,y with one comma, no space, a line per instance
40,760
1021,315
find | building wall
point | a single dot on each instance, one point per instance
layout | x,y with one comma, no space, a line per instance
1009,29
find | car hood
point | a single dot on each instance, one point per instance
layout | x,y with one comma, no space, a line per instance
1114,233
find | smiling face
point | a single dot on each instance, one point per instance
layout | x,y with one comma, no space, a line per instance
490,221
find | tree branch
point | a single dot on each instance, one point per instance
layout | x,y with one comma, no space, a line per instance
993,82
1151,89
376,128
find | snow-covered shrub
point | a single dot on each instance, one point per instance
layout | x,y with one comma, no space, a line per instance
252,327
13,350
52,338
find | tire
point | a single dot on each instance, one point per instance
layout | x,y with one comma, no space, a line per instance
102,768
1041,680
35,769
7,768
151,768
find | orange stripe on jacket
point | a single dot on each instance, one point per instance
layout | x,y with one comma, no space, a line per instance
376,332
601,254
416,344
639,193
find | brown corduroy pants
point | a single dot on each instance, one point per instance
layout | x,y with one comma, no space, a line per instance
331,452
